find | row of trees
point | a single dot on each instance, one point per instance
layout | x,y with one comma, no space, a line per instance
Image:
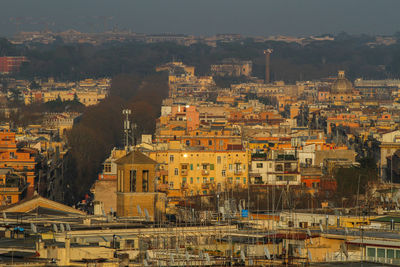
100,127
289,61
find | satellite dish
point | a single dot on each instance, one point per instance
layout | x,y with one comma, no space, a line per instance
33,228
267,254
55,230
139,210
62,228
146,214
68,227
309,255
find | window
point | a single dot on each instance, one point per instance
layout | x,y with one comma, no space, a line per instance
259,165
211,167
211,179
176,171
381,252
237,180
390,253
223,173
188,142
171,158
198,179
183,180
184,166
219,160
107,167
210,142
204,180
244,180
230,167
191,167
191,180
171,185
287,166
230,180
132,181
204,166
145,181
278,167
397,254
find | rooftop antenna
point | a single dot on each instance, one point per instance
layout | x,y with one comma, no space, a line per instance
127,126
344,250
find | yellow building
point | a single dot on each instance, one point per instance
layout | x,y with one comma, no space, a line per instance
203,172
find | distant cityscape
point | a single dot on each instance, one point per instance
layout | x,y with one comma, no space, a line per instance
167,165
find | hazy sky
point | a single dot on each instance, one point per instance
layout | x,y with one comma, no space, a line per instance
204,17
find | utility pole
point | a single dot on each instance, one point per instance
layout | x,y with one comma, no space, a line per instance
127,127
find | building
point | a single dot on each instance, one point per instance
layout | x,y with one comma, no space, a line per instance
136,187
201,172
19,161
281,169
232,67
11,64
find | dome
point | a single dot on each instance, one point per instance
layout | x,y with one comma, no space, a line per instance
341,85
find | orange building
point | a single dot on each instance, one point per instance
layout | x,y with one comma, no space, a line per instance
20,162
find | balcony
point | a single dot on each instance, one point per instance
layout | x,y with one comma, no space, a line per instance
162,187
205,172
238,172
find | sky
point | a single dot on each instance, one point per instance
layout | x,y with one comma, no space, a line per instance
204,17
